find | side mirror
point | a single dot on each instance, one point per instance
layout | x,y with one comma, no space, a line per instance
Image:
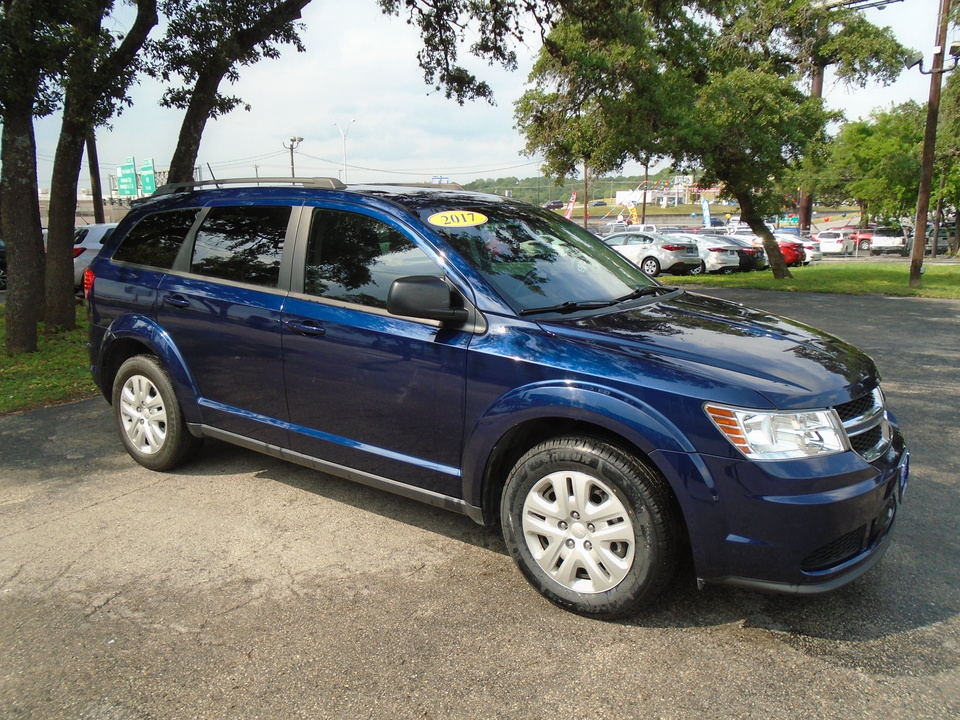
424,296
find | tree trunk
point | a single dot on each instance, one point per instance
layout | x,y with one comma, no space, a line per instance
90,82
21,228
749,215
59,310
202,101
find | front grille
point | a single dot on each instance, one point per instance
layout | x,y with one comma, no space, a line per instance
865,422
844,547
864,442
857,408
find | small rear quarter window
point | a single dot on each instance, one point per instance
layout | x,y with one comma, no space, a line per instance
156,239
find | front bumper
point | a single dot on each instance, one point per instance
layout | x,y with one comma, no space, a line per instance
801,527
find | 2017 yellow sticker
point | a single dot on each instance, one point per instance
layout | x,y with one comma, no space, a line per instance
457,218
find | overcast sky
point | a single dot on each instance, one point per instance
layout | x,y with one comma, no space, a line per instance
360,71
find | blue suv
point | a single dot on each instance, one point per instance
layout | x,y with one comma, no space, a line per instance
489,357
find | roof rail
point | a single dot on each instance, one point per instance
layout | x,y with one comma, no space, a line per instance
435,186
308,182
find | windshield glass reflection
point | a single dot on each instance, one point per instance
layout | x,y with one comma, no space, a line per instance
535,259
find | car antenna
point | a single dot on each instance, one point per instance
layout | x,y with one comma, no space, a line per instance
212,176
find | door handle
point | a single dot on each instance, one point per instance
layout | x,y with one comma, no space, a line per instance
177,301
306,328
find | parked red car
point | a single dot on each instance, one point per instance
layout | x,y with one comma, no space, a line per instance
862,238
793,252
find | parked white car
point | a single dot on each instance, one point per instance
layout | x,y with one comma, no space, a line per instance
87,241
888,240
716,254
835,242
657,253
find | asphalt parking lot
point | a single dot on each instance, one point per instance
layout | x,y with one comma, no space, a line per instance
245,587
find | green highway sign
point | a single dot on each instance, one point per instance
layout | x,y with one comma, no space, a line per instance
148,178
127,179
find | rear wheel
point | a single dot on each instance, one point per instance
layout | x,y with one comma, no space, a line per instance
592,528
650,266
148,416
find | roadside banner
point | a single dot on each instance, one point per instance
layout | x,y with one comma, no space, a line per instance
705,204
569,212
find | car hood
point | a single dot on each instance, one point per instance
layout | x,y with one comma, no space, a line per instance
728,345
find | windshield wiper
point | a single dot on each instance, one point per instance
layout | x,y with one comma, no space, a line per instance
570,306
574,305
643,291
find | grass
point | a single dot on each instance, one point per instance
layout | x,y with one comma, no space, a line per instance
939,280
58,372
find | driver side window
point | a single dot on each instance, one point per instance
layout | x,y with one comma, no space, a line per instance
354,258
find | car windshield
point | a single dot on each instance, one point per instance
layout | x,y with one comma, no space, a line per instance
537,261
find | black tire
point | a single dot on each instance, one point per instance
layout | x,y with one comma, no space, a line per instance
3,278
148,415
699,269
864,245
650,266
606,570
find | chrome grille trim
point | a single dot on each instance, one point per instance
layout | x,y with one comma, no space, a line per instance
865,422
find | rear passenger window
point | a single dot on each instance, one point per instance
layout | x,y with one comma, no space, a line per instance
243,244
156,239
355,258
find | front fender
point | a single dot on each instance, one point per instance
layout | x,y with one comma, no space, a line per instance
624,415
116,346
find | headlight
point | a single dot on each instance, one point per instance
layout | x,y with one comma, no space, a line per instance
763,435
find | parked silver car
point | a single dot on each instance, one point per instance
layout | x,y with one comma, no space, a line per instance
716,254
835,242
657,253
87,240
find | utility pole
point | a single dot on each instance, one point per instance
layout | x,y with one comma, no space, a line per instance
343,135
294,144
929,141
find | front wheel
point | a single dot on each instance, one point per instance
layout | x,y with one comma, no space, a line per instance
592,528
699,269
148,416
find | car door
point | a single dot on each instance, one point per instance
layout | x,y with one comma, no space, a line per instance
367,390
221,308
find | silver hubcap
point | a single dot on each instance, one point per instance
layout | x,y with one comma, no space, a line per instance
579,532
143,414
650,267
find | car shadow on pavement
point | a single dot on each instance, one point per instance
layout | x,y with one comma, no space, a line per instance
889,616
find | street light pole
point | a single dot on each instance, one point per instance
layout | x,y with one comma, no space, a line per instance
294,144
343,134
929,145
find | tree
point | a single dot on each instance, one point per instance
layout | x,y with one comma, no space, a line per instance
34,45
99,70
203,44
715,86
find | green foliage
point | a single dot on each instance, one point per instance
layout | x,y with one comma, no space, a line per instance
876,162
494,25
213,33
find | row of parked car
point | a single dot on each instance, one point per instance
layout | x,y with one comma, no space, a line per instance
670,250
87,241
882,240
